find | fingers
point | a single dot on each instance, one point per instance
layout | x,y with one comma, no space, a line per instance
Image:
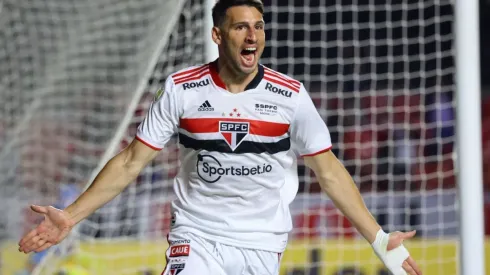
408,235
408,268
414,265
30,243
39,209
37,243
28,237
34,246
32,240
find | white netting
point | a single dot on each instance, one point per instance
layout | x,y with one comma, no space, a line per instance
380,73
70,72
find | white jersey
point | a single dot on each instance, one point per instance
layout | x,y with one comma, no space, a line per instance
238,167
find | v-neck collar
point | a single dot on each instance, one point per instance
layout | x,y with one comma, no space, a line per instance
213,68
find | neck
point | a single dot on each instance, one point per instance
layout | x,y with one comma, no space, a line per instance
235,82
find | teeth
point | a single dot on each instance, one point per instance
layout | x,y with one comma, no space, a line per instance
250,49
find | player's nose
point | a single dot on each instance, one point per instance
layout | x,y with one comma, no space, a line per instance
251,36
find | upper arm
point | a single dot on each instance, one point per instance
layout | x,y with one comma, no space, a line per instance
324,164
308,131
137,155
163,118
329,171
159,125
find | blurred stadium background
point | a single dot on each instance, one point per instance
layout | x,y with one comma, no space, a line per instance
77,77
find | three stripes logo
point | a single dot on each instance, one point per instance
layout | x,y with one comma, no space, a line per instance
205,107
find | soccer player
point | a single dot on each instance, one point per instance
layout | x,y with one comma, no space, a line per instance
241,126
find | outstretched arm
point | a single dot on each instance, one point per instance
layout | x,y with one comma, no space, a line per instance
312,140
160,123
116,175
339,186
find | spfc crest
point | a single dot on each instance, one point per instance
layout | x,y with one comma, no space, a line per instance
176,268
234,132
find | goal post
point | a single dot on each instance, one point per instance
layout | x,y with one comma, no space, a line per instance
468,122
470,174
416,42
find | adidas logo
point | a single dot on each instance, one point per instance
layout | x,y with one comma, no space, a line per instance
205,107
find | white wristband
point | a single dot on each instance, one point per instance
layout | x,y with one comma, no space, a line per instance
392,259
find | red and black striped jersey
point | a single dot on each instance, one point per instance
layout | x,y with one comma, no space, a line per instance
237,151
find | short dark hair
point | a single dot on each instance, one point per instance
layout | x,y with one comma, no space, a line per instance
221,6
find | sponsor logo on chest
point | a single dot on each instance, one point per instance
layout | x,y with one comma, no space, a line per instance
266,109
196,84
210,169
276,90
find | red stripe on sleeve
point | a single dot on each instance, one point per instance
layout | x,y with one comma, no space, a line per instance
317,153
194,74
291,81
147,144
194,77
211,125
189,71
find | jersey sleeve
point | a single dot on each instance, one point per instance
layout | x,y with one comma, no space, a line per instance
162,120
308,131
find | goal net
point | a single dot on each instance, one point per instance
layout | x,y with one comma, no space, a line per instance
79,77
381,75
76,78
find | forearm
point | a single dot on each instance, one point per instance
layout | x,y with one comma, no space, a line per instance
339,186
110,182
348,200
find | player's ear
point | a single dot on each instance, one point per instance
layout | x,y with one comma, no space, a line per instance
216,35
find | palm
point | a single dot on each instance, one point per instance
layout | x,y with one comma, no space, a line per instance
51,231
396,239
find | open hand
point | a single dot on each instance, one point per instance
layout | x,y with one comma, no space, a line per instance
51,231
395,240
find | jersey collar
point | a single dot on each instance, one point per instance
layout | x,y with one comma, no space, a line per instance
213,68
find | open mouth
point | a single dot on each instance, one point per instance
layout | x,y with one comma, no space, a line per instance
248,56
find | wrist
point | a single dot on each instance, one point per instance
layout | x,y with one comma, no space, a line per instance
392,259
380,242
69,212
372,232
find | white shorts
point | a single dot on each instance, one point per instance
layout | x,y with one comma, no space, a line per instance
189,254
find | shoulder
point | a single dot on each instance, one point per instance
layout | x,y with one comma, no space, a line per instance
182,78
190,74
275,78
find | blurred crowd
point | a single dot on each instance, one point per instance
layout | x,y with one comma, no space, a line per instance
394,141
